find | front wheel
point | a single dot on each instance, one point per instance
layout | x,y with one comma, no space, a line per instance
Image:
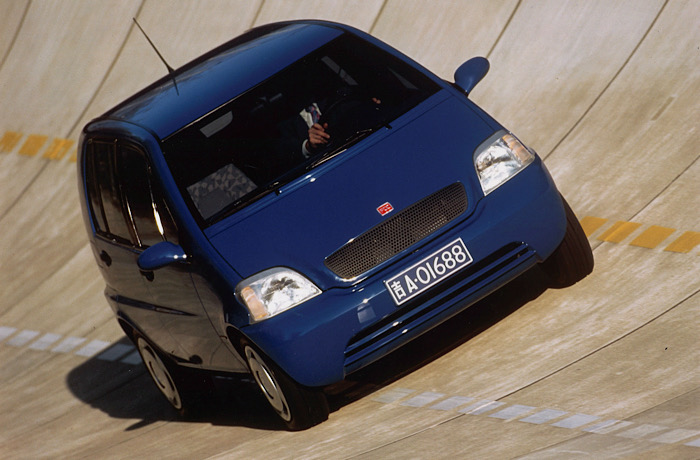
299,407
187,391
573,259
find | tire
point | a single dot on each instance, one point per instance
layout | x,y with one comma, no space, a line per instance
186,390
573,259
299,407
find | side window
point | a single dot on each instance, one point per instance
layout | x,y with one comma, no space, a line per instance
103,192
94,198
147,211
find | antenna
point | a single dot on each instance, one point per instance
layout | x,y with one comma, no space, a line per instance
171,71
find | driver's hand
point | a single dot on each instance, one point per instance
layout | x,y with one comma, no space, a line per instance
318,135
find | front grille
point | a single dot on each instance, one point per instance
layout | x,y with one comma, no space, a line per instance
398,232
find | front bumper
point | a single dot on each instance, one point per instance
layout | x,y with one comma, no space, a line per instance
344,329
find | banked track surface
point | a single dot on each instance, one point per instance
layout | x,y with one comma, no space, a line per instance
606,92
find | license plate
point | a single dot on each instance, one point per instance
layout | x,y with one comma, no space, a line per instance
434,268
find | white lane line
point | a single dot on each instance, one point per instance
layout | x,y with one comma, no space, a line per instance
607,426
513,412
393,395
92,348
104,350
5,332
576,421
133,358
22,338
452,403
676,435
641,431
543,416
115,352
552,417
481,407
423,399
68,344
695,443
45,341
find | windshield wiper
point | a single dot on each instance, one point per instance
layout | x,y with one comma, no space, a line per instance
357,136
245,200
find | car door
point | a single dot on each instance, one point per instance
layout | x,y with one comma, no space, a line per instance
173,297
115,244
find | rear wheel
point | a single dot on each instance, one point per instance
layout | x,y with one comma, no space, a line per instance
573,259
186,390
298,406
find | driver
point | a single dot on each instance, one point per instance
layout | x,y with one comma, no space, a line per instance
317,135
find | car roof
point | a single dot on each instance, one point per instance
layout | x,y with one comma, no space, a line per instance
218,76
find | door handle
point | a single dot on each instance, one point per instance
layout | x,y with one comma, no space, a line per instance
104,257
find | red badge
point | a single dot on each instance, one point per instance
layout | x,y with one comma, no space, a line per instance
385,209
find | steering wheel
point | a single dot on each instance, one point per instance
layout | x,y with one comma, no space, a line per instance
350,112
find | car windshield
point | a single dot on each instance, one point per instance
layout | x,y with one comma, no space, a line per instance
256,143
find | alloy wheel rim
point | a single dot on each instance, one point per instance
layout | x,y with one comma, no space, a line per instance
268,384
159,373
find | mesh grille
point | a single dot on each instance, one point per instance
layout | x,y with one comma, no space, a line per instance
399,232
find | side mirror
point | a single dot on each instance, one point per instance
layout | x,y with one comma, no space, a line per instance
469,74
161,254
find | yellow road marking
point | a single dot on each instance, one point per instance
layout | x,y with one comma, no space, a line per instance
652,237
619,231
33,144
591,224
58,148
685,243
9,141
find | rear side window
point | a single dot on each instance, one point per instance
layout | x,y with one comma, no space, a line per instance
140,205
104,193
124,205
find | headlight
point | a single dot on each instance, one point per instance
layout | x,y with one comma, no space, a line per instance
273,291
498,159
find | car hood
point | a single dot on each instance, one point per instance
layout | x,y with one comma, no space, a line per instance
336,202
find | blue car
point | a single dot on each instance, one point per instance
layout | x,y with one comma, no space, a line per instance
303,200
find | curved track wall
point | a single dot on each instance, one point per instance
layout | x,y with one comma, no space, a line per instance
606,92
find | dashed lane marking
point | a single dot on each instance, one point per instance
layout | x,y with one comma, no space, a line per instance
678,435
619,231
58,149
652,237
544,416
423,399
513,412
608,426
576,421
685,243
45,342
452,403
649,237
77,346
9,141
481,407
68,344
641,431
22,338
32,144
588,423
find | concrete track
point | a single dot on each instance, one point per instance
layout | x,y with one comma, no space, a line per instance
606,92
